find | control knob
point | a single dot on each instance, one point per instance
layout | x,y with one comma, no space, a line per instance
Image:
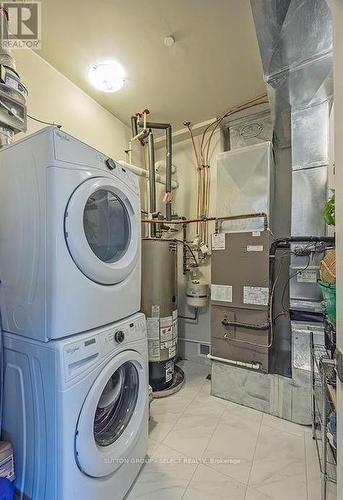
119,336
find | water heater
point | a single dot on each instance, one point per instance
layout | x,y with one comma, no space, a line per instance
159,304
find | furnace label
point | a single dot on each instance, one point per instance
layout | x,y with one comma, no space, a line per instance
256,295
222,293
218,241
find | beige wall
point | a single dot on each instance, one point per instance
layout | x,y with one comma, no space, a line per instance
52,97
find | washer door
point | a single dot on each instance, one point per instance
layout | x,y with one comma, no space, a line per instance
102,230
112,415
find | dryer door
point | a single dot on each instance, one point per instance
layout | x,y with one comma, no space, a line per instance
112,415
102,229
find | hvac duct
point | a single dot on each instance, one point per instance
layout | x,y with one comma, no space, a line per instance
295,40
12,91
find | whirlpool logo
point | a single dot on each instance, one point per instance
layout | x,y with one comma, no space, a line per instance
21,24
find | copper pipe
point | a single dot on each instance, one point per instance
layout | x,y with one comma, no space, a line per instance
258,215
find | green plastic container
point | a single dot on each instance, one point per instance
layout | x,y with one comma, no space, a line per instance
329,296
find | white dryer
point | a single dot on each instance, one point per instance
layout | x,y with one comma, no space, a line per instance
70,252
76,412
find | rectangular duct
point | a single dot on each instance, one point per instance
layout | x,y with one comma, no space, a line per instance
295,39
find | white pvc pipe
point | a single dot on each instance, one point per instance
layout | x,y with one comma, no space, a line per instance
160,164
254,366
144,173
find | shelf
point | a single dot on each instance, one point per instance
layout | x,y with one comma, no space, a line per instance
324,403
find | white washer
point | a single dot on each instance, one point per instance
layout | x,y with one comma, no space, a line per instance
76,412
70,253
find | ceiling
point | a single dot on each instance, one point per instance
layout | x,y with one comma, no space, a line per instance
213,65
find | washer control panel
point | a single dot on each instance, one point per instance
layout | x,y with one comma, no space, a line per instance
80,355
85,350
124,333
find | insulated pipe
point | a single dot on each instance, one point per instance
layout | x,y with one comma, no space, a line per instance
152,181
144,173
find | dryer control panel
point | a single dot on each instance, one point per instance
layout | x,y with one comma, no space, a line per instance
71,150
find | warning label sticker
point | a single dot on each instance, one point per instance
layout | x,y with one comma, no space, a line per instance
307,276
218,241
166,333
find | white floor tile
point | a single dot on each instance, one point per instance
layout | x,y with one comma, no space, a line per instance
159,430
207,484
168,409
204,447
191,435
165,476
252,494
232,446
283,425
279,467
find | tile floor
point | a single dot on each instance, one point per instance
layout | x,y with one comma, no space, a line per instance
204,448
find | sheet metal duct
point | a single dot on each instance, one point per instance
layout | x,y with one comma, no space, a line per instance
295,40
13,117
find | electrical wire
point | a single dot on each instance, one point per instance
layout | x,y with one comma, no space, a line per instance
289,280
189,248
43,122
270,312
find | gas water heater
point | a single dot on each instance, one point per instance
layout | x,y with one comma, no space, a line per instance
159,304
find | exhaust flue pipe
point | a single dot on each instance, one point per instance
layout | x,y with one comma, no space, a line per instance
13,118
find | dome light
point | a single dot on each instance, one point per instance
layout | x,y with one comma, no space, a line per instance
107,76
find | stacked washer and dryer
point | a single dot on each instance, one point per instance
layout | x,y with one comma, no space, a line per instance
75,348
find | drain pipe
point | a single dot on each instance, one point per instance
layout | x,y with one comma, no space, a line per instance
144,173
152,182
169,160
134,126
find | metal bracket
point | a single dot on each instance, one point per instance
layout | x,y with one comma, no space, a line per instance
339,364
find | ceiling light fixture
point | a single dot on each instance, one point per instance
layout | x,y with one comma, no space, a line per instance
108,76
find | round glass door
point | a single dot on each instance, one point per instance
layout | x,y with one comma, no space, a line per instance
102,230
113,416
107,225
116,405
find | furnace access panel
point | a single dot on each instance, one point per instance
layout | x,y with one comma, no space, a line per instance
240,297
